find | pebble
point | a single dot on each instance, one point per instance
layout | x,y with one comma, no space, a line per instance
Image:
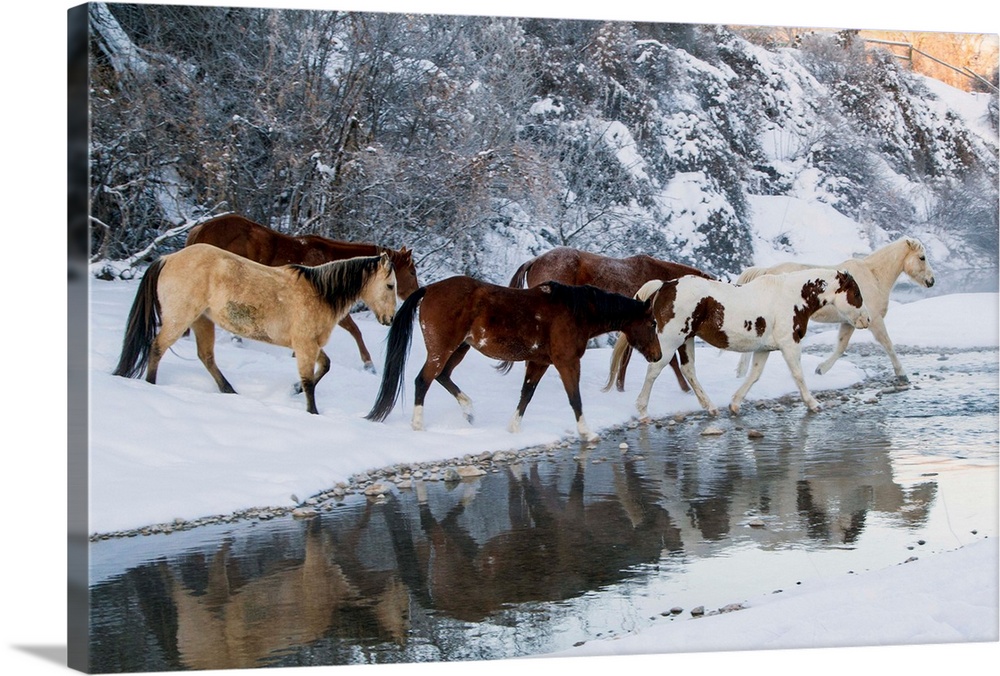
755,434
712,431
698,612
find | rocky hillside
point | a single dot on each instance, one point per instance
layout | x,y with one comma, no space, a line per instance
479,142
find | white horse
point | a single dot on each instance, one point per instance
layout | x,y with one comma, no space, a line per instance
767,314
876,274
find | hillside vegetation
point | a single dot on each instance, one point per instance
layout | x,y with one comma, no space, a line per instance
479,142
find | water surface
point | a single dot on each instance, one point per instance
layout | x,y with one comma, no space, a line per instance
579,545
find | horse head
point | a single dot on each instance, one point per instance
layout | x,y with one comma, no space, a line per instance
642,333
380,290
848,300
915,263
406,272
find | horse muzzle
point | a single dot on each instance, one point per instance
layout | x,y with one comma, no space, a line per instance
863,320
929,282
385,320
653,355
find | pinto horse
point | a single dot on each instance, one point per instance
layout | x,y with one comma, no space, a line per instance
876,274
266,246
617,275
767,314
293,306
548,325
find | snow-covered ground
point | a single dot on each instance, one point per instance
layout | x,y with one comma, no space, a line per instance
182,450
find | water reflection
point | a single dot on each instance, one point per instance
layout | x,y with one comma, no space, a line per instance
487,569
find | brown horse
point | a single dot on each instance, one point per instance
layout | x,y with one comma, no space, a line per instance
293,306
258,243
617,275
548,325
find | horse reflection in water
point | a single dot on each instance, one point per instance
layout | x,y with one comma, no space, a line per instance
558,545
229,623
395,573
822,490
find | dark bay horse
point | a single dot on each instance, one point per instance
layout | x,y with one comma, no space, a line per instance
617,275
292,305
252,240
548,325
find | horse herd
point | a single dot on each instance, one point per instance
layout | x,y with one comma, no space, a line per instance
291,291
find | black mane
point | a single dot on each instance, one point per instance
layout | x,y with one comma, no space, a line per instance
339,283
588,302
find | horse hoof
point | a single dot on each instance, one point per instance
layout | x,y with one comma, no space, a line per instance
370,368
296,388
902,379
734,409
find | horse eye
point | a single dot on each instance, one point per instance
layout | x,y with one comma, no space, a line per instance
923,258
391,286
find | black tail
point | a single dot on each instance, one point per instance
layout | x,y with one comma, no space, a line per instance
140,330
397,347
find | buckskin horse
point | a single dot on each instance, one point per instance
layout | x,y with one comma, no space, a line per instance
246,238
294,306
876,274
617,275
547,325
770,313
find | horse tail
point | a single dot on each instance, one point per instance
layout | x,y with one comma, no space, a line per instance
741,368
622,347
503,367
518,281
140,330
397,348
619,359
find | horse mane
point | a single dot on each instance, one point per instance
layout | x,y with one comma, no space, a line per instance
339,283
586,302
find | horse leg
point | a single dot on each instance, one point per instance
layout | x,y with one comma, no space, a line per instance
204,337
347,323
323,361
431,370
877,327
570,374
445,379
305,359
759,359
843,337
686,353
533,372
170,333
793,357
679,372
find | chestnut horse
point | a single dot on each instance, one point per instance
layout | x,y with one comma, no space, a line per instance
548,325
770,313
617,275
292,305
266,246
876,274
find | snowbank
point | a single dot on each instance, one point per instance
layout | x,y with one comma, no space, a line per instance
182,450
